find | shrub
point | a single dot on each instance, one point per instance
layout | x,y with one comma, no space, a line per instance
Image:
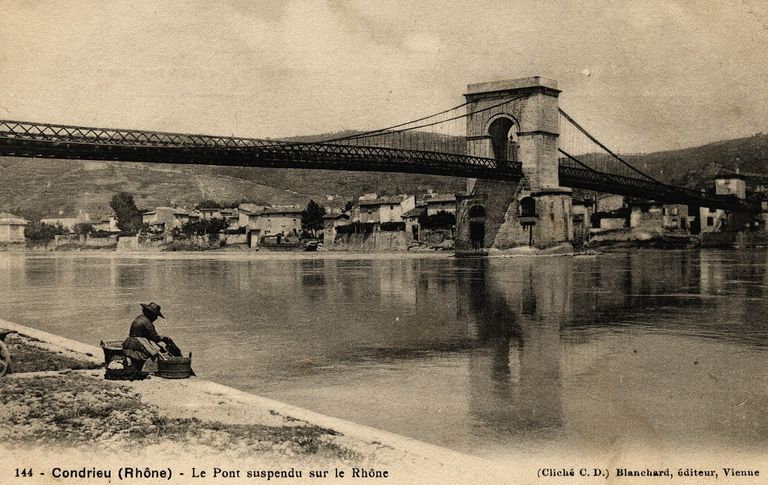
83,228
439,220
40,231
393,226
201,228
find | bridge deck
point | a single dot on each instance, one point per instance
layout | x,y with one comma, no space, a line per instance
37,140
71,142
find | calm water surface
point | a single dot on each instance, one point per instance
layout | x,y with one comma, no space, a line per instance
486,356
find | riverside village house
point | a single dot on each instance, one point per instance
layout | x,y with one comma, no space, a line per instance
12,229
107,223
441,202
275,220
373,209
163,219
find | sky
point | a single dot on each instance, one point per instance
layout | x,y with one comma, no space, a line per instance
640,75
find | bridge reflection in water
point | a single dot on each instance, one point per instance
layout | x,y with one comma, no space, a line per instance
514,370
626,352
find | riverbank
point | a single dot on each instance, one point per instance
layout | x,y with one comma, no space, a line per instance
58,410
231,256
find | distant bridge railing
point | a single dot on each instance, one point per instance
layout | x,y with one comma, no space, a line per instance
587,179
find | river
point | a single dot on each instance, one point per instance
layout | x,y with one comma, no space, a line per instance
488,356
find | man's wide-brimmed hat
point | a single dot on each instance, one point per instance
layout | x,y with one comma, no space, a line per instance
153,308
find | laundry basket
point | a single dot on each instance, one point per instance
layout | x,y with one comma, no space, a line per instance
170,367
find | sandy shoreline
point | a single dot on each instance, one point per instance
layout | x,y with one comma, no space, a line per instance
59,405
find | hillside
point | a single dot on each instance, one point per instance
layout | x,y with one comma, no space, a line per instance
696,167
36,187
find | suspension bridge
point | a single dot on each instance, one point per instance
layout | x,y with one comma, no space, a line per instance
436,144
521,155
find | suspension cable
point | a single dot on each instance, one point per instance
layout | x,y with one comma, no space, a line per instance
373,132
681,190
597,142
572,158
465,115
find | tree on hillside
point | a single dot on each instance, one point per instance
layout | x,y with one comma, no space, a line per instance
128,215
28,213
83,228
40,231
312,217
209,204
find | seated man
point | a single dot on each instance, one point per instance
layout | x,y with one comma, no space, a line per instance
143,342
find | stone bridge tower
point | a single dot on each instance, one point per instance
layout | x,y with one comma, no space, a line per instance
535,211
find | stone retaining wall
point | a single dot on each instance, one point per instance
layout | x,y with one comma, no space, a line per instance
376,241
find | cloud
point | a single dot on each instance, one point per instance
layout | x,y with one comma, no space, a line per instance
422,42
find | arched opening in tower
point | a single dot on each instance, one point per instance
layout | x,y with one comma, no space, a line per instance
503,132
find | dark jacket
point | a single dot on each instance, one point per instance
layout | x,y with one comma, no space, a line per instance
142,327
139,350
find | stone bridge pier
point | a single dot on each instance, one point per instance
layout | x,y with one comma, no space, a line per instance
535,211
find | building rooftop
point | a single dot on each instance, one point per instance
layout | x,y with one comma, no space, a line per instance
176,211
336,215
382,201
415,212
735,175
280,210
440,198
8,218
58,217
252,208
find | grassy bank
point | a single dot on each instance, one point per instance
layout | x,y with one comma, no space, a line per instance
56,401
33,355
73,410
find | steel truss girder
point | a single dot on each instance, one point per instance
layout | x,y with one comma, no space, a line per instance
583,178
69,142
